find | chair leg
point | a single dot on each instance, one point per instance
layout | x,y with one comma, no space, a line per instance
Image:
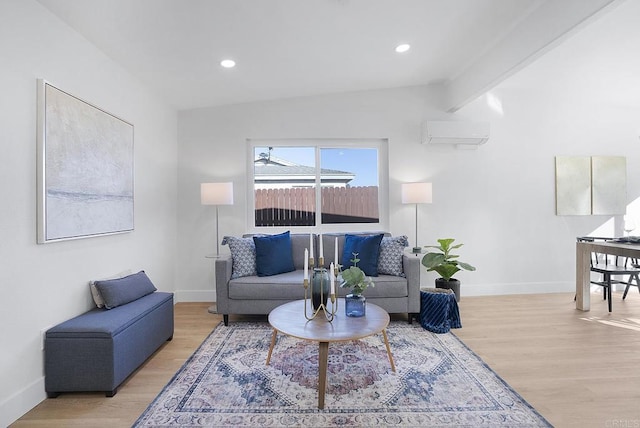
629,284
626,290
609,293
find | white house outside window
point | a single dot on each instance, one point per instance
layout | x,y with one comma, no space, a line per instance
307,184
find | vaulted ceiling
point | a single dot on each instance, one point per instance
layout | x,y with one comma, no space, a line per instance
292,48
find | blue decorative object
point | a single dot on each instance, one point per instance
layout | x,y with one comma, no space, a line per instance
273,254
439,310
355,305
368,249
319,287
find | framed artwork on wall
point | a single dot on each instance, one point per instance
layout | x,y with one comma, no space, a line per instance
85,168
591,185
609,177
573,185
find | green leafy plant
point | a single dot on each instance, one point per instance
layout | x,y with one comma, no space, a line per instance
355,278
443,262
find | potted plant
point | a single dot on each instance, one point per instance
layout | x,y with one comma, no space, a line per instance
355,278
445,264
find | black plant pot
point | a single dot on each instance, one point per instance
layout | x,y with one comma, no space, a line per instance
452,284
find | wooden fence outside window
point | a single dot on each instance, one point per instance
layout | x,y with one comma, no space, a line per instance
297,206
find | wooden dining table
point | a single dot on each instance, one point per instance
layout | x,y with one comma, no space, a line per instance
583,265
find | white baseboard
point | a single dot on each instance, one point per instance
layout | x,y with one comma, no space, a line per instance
520,288
21,402
194,296
465,290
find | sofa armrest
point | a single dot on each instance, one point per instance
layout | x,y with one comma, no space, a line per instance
223,268
411,266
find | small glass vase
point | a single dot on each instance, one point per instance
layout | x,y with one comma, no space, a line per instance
355,305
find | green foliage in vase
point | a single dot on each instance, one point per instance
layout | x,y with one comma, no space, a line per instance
443,262
355,278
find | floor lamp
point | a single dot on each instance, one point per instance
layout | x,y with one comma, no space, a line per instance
417,193
216,194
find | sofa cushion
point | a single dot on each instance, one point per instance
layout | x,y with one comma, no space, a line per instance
368,250
243,256
285,286
390,258
387,286
288,286
120,291
300,241
273,254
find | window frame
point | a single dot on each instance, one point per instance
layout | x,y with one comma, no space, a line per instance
382,146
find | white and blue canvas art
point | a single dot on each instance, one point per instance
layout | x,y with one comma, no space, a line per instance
86,169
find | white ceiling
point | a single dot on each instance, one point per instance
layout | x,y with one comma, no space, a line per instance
291,48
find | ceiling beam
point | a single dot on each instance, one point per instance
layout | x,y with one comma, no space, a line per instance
543,29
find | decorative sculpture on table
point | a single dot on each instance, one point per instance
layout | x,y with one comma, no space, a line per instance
319,287
322,287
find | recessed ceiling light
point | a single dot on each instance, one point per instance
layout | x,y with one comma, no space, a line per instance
403,48
228,63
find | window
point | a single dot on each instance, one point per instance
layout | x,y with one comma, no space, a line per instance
313,183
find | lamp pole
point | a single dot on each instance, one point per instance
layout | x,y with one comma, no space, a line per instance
217,235
416,248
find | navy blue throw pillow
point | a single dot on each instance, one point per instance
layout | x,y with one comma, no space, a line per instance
273,254
368,249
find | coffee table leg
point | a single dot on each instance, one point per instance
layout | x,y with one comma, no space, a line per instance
273,342
386,342
323,356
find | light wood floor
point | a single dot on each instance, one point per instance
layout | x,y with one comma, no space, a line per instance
578,369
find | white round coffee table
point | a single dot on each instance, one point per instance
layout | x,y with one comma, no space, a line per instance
289,319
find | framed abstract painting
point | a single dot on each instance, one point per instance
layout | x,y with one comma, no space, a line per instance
85,179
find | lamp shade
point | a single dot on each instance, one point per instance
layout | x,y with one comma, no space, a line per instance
417,193
216,193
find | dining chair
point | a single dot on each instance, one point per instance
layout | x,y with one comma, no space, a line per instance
611,268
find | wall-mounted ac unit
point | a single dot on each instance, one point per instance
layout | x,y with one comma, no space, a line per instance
465,134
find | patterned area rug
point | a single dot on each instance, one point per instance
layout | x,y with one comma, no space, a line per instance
438,382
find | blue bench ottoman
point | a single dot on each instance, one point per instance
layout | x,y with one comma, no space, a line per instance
439,310
98,350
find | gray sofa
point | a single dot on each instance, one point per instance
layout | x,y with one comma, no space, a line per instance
259,295
98,350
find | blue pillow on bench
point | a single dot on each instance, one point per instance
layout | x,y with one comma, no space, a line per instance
117,292
273,254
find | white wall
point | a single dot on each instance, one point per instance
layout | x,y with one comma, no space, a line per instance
43,285
498,200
